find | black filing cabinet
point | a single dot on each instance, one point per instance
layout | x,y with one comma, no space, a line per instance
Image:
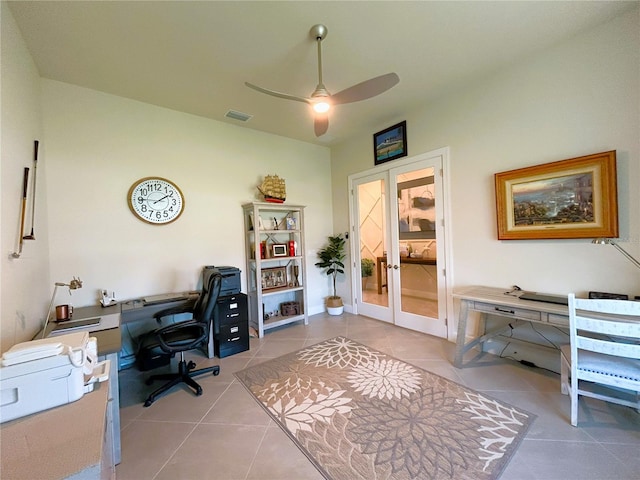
231,325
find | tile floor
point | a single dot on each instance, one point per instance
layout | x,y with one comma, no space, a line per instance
225,435
417,305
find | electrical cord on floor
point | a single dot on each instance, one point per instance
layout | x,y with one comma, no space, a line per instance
540,333
526,363
505,347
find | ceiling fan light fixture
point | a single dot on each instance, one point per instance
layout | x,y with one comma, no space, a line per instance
322,106
321,100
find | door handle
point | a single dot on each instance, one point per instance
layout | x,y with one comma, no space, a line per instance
395,267
502,310
389,266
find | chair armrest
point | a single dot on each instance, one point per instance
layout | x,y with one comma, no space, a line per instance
174,327
164,335
186,307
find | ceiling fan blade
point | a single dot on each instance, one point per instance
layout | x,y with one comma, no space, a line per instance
278,94
367,89
321,124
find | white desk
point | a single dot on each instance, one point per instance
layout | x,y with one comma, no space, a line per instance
494,301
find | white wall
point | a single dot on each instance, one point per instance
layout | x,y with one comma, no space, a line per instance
93,146
580,97
98,145
24,282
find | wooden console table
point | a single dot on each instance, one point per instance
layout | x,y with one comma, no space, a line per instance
383,261
494,301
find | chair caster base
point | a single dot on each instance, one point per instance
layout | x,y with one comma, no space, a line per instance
184,375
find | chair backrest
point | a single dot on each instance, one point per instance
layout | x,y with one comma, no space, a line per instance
609,327
203,309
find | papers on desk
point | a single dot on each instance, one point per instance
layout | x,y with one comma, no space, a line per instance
86,325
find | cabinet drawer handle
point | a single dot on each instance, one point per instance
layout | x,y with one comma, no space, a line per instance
510,312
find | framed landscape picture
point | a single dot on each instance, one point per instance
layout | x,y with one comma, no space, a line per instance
390,143
574,198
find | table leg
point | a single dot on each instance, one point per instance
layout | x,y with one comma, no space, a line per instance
462,330
462,347
114,404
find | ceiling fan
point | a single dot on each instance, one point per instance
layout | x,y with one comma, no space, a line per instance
321,100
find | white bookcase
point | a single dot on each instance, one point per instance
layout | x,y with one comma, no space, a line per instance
276,268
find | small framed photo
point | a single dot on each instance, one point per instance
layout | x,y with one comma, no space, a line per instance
275,277
390,143
291,223
280,250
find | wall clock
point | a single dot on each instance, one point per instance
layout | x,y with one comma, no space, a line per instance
155,200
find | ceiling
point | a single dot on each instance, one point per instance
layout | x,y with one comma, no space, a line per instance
194,57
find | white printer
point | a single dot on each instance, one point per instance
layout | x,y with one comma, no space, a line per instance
43,374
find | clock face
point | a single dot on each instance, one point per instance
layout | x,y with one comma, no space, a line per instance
155,200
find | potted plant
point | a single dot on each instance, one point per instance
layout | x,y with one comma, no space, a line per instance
366,269
331,260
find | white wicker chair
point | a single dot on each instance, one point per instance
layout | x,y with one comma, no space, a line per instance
604,349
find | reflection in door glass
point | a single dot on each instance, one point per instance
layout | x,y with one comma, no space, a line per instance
417,242
372,224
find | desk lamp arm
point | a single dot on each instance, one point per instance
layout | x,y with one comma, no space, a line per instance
608,241
74,284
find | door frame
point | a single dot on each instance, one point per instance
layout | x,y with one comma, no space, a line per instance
444,153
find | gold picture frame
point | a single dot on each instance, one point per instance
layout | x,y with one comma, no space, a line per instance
574,198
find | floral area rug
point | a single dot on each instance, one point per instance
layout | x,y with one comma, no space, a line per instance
358,413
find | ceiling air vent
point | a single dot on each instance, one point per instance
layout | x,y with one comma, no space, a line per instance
243,117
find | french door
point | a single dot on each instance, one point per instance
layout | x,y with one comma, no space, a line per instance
398,237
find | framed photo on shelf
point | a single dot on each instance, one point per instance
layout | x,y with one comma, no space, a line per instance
275,277
574,198
280,250
390,143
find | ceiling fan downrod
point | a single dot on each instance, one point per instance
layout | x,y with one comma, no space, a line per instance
319,32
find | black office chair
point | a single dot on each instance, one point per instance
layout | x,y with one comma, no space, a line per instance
180,337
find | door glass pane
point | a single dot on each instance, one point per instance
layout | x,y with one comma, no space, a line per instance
372,225
418,282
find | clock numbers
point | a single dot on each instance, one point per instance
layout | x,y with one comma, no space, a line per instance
156,200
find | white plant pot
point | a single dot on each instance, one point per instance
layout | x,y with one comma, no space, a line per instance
335,310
